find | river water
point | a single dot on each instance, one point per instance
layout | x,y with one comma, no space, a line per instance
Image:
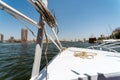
16,59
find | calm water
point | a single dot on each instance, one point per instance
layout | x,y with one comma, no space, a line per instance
16,59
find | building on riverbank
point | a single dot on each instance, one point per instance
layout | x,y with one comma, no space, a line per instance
24,33
1,37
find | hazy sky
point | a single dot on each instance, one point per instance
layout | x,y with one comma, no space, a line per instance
77,19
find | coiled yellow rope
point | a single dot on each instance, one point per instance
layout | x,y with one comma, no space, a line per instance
83,54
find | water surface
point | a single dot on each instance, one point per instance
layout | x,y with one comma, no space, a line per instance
16,59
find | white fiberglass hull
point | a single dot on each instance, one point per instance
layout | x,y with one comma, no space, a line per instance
65,66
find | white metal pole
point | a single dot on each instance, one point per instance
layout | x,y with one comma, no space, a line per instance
15,13
38,50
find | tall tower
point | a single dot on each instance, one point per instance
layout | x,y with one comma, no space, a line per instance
23,35
1,37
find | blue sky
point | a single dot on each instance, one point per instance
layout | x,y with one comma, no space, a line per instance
77,19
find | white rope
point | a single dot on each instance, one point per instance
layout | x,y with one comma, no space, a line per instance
52,40
23,23
47,40
46,49
57,38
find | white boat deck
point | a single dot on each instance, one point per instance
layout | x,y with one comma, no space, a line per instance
65,66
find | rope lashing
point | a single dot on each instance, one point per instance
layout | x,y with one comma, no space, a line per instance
48,18
42,9
84,55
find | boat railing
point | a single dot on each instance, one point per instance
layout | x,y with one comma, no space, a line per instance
107,46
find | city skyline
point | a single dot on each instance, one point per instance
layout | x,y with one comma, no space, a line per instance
23,39
76,19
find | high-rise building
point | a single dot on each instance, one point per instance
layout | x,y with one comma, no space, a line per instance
23,35
1,37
